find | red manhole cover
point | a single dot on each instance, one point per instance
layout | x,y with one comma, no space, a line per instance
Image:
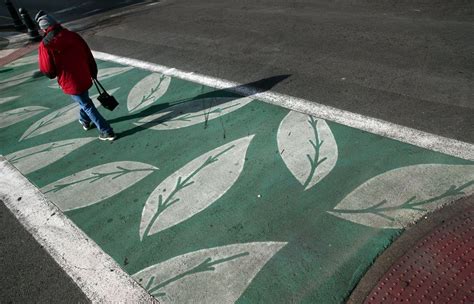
439,269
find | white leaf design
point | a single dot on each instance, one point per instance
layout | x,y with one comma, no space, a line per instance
193,112
58,118
35,158
7,99
23,61
147,91
307,147
401,196
194,187
101,75
11,117
215,275
94,185
16,80
112,72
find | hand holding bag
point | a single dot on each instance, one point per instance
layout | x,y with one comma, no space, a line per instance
107,101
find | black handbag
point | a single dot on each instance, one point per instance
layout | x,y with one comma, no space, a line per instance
107,101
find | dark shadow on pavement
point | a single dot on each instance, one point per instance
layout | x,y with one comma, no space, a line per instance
209,100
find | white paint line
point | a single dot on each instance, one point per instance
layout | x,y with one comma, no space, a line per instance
72,8
14,37
130,8
5,53
98,276
92,11
373,125
117,15
66,10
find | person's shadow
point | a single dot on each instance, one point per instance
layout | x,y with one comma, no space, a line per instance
217,98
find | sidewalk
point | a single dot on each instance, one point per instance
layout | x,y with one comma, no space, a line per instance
431,262
220,197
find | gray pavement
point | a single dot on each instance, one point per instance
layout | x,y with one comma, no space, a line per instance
406,62
30,275
65,10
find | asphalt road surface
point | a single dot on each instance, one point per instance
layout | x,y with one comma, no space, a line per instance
64,10
407,62
30,274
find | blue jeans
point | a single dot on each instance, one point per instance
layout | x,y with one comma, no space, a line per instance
88,112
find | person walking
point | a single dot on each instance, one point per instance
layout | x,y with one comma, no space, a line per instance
65,55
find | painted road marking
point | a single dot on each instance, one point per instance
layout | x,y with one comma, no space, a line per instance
101,75
57,119
14,116
35,158
118,176
192,112
194,187
4,53
23,61
98,276
373,125
7,99
155,86
403,203
73,8
246,190
301,138
14,37
182,276
16,80
92,11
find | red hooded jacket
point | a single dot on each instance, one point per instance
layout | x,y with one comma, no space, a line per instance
64,54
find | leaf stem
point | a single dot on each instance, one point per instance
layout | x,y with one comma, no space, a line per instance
206,265
153,90
97,176
51,147
314,163
180,185
44,123
409,204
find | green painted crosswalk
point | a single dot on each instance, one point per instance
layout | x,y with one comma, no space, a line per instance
212,197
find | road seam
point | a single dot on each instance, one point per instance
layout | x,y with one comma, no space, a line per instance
376,126
98,276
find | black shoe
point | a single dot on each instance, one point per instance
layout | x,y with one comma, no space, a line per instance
86,126
107,136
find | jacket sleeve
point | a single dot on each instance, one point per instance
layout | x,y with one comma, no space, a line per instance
46,62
